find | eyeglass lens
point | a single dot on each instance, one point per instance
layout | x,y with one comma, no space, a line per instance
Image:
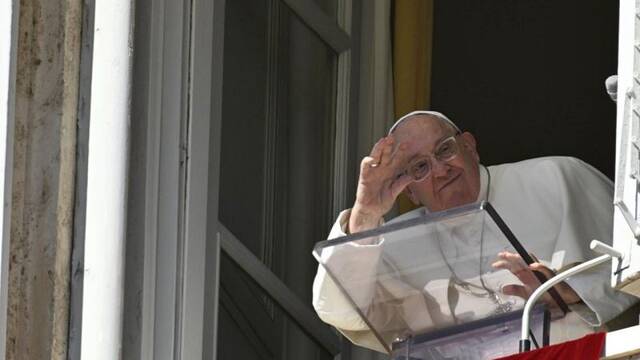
421,168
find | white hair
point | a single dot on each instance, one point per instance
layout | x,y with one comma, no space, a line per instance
424,112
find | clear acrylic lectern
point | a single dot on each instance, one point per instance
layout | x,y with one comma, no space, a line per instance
425,287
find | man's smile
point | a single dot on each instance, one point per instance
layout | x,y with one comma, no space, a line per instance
449,181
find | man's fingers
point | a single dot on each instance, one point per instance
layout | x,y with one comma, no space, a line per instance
510,261
501,264
378,149
517,266
548,273
382,165
515,269
399,184
381,174
399,156
387,148
367,163
516,290
381,155
513,258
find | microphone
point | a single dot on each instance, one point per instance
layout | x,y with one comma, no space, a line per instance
611,84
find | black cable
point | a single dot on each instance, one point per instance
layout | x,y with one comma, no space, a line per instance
533,338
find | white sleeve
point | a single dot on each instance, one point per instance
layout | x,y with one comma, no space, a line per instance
355,265
601,302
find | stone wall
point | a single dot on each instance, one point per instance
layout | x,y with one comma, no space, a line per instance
42,200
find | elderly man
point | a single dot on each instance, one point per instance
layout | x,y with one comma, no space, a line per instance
554,205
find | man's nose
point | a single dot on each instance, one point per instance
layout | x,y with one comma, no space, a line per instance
439,168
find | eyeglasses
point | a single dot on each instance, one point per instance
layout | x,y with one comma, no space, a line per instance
420,168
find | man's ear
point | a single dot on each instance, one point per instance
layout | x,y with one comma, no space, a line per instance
469,143
411,195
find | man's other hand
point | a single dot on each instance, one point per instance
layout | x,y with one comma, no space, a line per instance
517,266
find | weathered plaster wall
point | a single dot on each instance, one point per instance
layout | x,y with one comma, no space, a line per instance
43,178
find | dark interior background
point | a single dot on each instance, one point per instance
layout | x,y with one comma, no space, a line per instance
527,77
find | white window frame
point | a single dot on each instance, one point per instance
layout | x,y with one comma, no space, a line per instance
626,228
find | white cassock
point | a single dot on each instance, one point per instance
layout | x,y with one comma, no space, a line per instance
555,206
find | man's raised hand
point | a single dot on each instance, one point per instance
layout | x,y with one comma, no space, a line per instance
382,179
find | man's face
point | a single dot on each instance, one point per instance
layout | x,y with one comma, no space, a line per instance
451,183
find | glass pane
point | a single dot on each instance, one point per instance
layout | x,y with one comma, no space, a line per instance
250,332
328,6
310,114
278,128
243,124
276,164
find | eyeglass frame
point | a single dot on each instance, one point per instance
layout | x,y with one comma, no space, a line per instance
432,155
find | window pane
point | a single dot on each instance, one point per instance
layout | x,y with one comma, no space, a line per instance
276,169
277,137
248,332
243,124
328,6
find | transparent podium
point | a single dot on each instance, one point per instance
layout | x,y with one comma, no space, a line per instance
425,287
